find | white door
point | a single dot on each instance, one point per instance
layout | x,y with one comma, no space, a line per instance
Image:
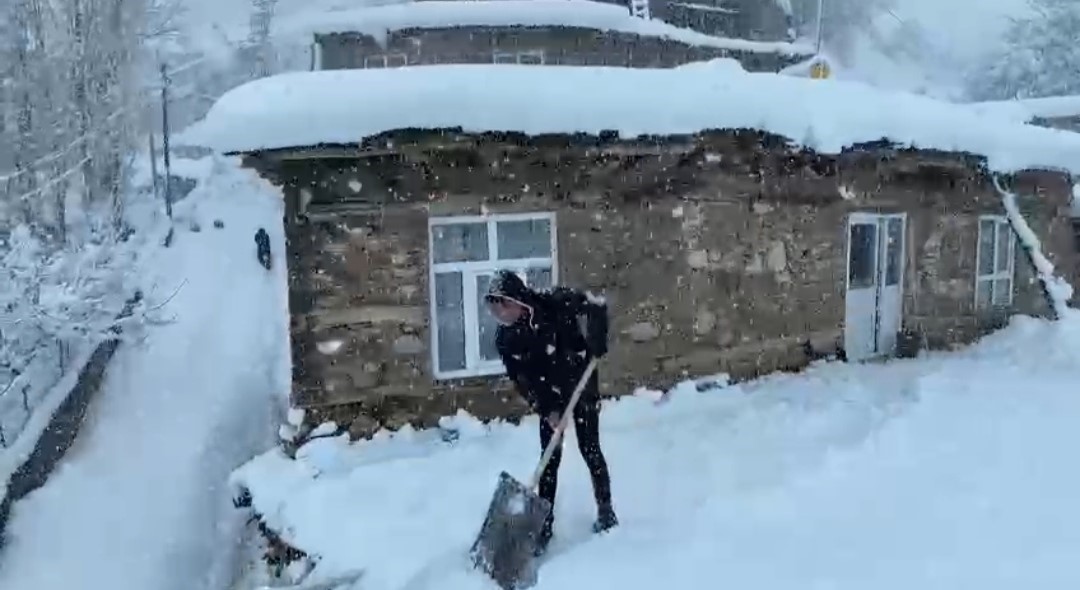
890,305
874,298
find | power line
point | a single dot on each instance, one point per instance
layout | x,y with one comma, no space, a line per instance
103,127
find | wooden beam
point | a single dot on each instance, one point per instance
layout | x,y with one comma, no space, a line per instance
642,149
342,152
443,142
412,315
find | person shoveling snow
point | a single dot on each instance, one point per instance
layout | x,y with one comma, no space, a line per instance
549,342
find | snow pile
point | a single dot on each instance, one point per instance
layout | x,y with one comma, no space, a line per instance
1057,288
346,106
213,24
58,301
1025,110
140,500
951,471
380,20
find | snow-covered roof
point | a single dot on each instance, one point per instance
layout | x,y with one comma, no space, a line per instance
1051,107
346,106
377,21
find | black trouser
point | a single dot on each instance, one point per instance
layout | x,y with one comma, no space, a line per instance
587,428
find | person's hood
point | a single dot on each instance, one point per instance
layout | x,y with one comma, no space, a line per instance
506,284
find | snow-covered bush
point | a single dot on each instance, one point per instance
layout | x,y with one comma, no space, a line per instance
55,305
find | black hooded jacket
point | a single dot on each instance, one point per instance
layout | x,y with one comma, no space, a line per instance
546,351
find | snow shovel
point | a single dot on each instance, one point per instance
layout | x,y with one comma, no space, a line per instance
505,549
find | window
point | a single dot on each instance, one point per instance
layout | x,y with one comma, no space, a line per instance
531,58
465,253
862,256
995,259
389,60
528,58
894,250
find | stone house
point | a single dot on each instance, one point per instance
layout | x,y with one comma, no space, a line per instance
759,20
1065,122
535,32
771,258
725,249
1055,112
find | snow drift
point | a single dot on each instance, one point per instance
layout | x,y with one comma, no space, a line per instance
278,112
949,471
140,501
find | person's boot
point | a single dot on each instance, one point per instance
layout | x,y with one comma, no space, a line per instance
544,539
605,519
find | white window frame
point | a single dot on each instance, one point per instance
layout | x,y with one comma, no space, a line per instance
503,57
1001,223
8,121
384,59
316,56
514,57
474,365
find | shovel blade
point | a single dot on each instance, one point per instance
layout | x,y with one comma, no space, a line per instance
505,549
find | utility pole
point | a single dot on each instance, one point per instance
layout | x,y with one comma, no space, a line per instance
165,138
820,23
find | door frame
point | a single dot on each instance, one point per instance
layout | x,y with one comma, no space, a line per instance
880,221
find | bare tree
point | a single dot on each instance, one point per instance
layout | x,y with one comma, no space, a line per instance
259,42
68,83
1040,55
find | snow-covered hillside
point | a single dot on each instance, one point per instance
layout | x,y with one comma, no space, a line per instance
214,25
927,46
965,28
945,472
140,500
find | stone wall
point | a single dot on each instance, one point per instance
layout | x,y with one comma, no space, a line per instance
748,237
559,46
1048,213
1071,123
761,20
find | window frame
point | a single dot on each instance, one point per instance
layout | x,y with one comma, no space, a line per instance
514,57
316,55
475,366
385,59
1001,223
536,53
9,120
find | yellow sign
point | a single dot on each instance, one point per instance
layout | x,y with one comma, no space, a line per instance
820,70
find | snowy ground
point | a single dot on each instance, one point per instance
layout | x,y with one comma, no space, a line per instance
140,500
951,471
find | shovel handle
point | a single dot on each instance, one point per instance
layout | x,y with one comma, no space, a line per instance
556,436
